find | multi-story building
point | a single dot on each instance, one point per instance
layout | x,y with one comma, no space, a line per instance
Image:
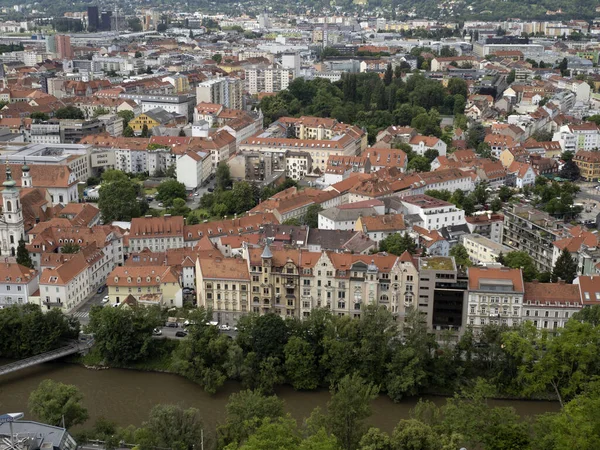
65,286
550,305
495,296
155,233
483,250
148,285
588,163
533,231
193,169
487,224
261,79
150,119
17,284
431,213
224,91
378,228
585,136
441,293
180,104
64,50
223,285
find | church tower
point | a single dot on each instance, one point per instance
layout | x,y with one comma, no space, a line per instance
26,181
12,215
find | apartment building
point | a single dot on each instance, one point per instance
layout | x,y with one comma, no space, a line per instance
495,296
550,305
483,250
224,91
533,231
223,285
65,286
486,224
431,213
588,163
155,233
377,228
17,284
267,79
148,285
193,169
585,136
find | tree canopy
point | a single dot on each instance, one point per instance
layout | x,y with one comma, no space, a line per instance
56,403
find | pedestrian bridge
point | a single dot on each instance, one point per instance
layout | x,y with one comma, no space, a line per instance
73,347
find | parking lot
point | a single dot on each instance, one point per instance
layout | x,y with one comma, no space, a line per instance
589,196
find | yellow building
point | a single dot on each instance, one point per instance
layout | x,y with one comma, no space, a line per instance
151,119
149,285
588,163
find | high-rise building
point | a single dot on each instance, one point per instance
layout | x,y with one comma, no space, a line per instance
50,44
291,60
93,18
223,91
105,20
63,47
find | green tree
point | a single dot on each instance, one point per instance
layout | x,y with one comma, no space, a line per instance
458,86
118,200
461,256
202,357
563,67
570,171
171,426
415,435
127,116
179,208
169,190
128,131
521,260
279,433
217,57
431,154
397,243
511,77
443,194
505,193
349,407
496,205
123,335
223,177
293,221
145,133
301,364
562,363
100,111
565,268
388,75
69,112
245,411
70,248
56,403
311,218
23,256
36,115
419,164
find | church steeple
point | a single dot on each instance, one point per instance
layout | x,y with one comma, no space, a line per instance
9,183
26,176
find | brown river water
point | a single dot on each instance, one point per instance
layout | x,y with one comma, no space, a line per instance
126,396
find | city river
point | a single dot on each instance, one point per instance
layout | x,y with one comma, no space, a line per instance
126,396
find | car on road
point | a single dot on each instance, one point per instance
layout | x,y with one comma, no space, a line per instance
181,334
197,194
105,299
101,289
210,189
171,325
160,205
224,327
157,332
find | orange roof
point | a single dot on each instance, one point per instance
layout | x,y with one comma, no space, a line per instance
141,276
479,274
16,273
224,269
555,293
388,222
146,227
66,272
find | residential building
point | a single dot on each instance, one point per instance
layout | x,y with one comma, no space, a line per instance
486,224
585,136
495,296
420,144
151,118
344,217
483,250
224,91
155,233
149,285
223,285
527,229
588,163
261,79
194,169
17,284
65,286
377,228
431,213
549,306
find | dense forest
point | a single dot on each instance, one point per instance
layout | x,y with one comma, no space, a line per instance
373,103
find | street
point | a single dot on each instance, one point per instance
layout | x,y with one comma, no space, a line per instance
590,197
83,312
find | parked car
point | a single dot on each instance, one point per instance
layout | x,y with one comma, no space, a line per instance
160,205
105,299
224,327
101,289
187,290
171,325
181,334
157,332
210,189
